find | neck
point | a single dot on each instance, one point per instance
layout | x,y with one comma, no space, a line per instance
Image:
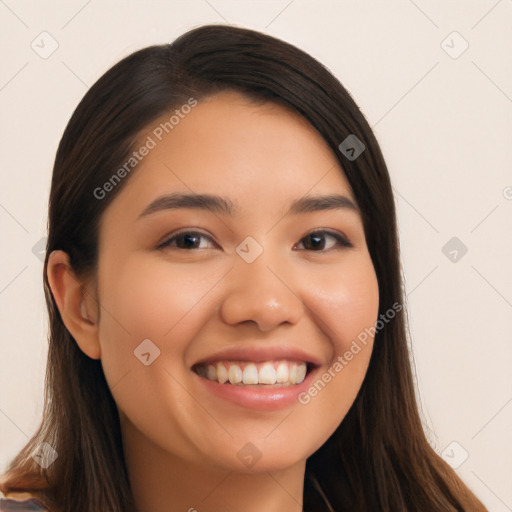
160,480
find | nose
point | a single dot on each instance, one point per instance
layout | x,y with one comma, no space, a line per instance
260,293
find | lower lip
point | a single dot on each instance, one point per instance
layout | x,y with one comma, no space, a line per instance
258,398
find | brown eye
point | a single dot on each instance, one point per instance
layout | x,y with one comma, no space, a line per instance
316,241
185,240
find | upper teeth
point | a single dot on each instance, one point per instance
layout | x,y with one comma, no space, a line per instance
269,372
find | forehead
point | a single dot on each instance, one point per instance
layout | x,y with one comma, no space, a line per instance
229,145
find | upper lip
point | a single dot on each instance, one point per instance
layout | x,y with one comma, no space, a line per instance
258,354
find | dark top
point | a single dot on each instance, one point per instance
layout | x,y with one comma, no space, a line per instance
20,504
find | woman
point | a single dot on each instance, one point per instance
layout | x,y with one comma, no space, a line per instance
227,327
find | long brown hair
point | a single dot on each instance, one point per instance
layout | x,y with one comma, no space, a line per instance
379,458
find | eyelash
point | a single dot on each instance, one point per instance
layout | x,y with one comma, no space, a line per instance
342,242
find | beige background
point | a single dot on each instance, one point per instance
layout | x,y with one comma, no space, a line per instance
445,126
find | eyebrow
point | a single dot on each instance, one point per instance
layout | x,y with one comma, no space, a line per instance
225,206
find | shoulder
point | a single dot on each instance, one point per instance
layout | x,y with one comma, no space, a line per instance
20,502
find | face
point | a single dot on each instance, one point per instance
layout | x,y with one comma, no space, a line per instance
193,293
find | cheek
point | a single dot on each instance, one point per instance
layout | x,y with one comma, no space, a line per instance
345,305
346,301
168,305
157,302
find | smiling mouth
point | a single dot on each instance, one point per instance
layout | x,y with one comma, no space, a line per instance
277,373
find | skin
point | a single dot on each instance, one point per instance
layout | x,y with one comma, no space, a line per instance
180,441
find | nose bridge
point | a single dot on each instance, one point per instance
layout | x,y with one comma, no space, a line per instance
259,291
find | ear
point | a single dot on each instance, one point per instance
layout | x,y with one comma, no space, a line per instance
77,305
